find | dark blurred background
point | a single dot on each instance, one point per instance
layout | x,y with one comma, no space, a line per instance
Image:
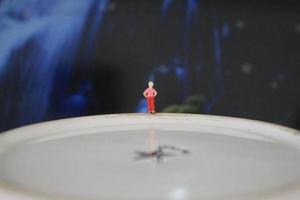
67,58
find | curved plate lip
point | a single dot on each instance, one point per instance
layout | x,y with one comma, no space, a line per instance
278,132
218,117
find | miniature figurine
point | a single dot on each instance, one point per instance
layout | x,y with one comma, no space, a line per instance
150,93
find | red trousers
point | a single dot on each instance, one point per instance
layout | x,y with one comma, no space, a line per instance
150,104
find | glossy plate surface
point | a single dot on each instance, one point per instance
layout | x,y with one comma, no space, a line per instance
141,156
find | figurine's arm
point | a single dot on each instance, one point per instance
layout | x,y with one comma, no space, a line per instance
145,94
155,93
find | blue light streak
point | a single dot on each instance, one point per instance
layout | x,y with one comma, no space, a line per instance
218,70
54,30
165,7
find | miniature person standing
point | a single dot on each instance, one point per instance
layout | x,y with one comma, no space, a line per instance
150,93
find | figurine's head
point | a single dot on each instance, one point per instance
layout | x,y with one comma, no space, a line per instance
150,84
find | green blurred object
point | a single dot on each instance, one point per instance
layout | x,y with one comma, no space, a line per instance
192,104
172,109
195,100
188,109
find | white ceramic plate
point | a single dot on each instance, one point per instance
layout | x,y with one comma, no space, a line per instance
141,156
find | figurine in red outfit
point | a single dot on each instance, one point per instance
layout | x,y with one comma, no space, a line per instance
150,93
